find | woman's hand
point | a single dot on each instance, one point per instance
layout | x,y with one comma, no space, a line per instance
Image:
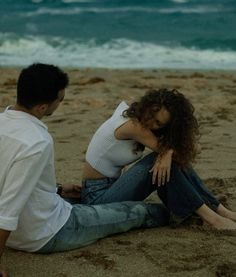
70,190
161,168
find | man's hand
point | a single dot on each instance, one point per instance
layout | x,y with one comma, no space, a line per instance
161,168
71,191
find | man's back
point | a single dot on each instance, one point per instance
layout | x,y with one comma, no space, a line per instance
27,177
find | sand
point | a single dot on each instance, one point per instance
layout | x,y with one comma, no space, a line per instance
192,249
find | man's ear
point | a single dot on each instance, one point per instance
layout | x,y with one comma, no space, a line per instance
41,109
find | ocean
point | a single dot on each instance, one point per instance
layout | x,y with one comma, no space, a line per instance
179,34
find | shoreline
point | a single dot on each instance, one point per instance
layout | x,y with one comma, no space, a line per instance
148,69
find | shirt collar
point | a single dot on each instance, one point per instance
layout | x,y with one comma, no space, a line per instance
23,115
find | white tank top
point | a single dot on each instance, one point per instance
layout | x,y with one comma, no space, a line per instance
107,154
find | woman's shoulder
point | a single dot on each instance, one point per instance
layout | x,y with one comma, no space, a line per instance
107,128
120,108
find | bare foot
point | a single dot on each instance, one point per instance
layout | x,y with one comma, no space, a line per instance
215,219
226,213
231,215
223,223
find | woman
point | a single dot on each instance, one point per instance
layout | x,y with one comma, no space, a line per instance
163,121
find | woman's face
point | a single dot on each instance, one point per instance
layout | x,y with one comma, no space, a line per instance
160,119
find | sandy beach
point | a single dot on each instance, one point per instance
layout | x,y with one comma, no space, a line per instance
192,249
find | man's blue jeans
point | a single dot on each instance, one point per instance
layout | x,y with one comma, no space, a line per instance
182,195
88,223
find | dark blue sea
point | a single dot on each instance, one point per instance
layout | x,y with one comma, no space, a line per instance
191,34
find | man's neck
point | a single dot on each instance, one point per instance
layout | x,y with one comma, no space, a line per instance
32,111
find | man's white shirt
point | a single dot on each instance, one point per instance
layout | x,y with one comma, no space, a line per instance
29,205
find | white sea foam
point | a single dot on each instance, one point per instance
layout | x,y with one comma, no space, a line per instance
120,53
180,1
78,1
78,10
37,1
192,10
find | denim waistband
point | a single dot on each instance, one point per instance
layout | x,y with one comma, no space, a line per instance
103,181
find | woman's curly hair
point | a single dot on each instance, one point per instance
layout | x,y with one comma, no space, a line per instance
180,134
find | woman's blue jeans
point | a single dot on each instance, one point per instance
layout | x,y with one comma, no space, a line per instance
182,195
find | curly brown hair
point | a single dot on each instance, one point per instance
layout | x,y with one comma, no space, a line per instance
180,134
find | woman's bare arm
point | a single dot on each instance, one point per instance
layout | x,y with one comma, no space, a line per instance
134,130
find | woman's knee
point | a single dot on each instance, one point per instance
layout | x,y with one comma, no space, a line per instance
175,169
148,160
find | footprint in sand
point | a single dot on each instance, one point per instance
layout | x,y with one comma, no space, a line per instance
5,101
10,82
123,242
93,103
226,270
63,141
96,259
59,120
91,81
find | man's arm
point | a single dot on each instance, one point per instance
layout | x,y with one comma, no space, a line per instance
4,234
19,183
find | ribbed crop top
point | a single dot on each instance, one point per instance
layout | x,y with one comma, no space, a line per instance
107,154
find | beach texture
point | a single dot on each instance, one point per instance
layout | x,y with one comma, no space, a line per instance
192,249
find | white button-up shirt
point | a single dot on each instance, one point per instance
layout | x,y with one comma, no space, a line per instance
29,205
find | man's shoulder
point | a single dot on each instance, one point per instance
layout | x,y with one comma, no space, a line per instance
25,135
37,141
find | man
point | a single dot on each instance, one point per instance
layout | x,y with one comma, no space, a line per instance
33,217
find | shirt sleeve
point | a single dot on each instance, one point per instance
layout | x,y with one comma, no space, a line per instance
21,179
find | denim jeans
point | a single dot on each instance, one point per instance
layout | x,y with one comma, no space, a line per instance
182,195
88,223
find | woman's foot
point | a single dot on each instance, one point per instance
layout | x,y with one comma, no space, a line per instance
215,220
221,210
223,223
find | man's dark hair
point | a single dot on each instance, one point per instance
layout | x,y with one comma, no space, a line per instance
39,84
